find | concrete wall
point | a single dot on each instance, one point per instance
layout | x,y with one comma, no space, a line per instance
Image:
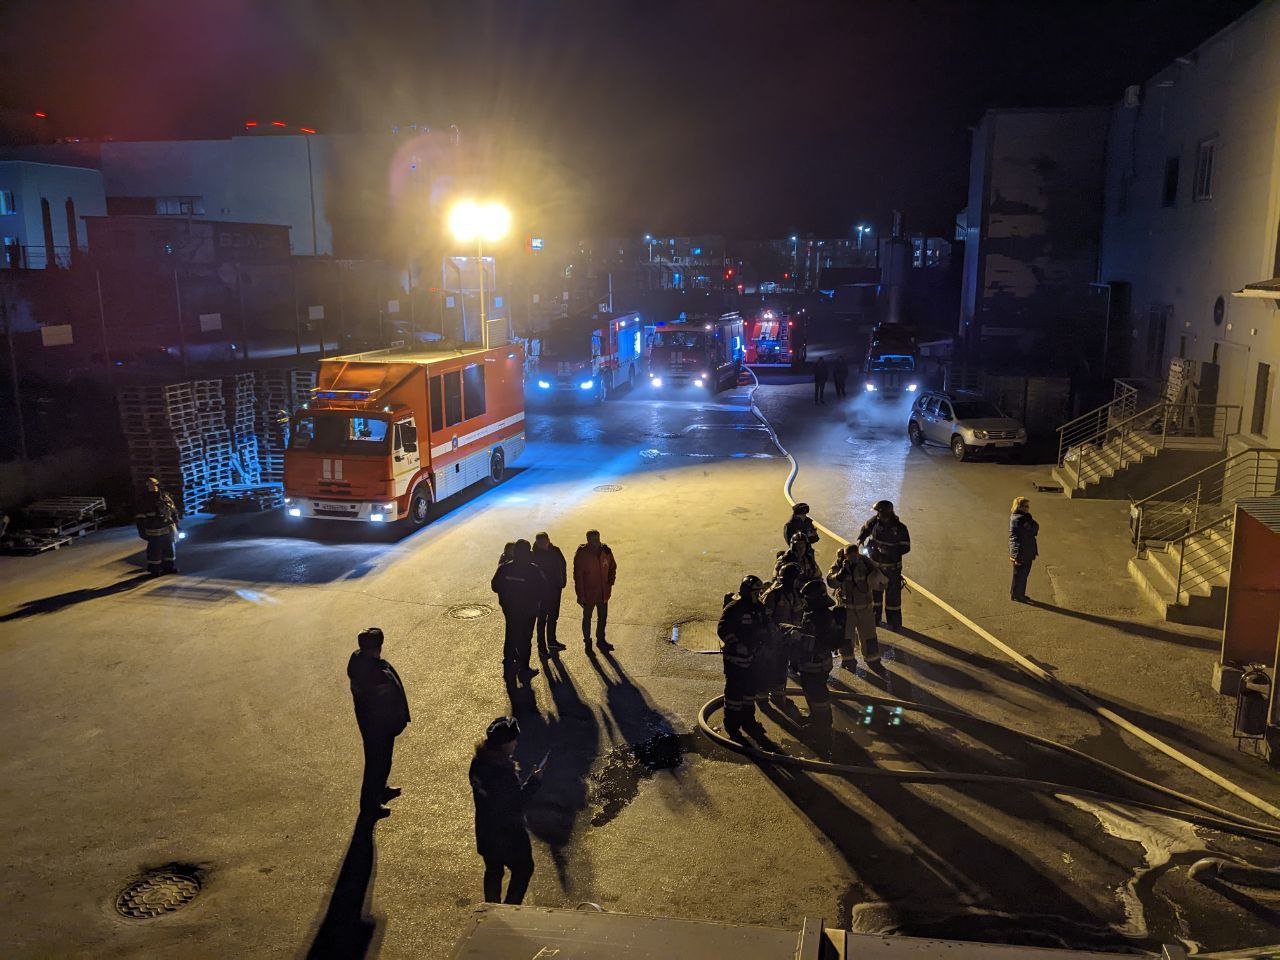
1180,259
31,182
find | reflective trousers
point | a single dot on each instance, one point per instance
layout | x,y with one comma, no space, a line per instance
860,627
889,600
162,553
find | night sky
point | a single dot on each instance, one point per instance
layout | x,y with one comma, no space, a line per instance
746,118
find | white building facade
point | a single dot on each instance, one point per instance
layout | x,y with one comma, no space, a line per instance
1191,228
42,211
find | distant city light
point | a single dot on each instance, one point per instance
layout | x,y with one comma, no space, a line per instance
41,114
306,130
278,123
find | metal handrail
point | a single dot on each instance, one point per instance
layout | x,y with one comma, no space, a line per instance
1242,455
1121,406
1196,574
1168,413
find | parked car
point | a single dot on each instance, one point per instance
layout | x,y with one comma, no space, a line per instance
966,423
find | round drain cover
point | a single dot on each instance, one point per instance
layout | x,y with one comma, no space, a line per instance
159,892
469,611
608,488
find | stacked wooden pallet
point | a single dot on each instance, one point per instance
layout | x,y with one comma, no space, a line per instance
163,435
211,419
280,393
240,408
247,498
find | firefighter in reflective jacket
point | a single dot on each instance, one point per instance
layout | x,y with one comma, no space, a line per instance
743,630
855,579
800,522
887,541
157,519
818,636
785,608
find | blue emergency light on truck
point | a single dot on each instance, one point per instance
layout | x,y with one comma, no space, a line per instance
588,358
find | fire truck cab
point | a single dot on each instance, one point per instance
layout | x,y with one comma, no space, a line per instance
702,352
388,435
589,358
890,367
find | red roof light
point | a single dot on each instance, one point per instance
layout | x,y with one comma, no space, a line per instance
306,130
250,123
278,123
41,114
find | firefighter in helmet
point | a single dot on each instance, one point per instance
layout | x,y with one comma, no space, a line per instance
800,522
887,541
819,635
744,631
157,520
855,579
800,552
785,608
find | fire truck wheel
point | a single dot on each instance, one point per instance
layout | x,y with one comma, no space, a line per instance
420,508
497,467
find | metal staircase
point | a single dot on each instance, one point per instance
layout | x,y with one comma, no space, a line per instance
1103,443
1183,535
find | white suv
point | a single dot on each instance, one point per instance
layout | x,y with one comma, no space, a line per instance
964,422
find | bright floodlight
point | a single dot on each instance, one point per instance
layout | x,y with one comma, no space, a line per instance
470,221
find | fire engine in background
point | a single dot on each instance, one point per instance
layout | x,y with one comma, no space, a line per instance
775,339
892,358
388,435
589,358
703,352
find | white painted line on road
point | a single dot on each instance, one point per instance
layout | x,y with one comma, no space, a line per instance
1036,671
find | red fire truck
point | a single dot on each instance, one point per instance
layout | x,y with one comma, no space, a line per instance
775,339
388,435
588,358
703,352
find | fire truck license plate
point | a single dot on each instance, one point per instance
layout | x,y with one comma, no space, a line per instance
339,507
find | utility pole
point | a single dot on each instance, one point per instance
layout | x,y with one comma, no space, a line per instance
102,318
13,376
182,334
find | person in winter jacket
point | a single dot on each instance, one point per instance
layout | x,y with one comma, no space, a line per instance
819,635
594,572
157,520
799,552
820,374
502,839
744,632
1023,548
521,590
382,713
785,608
839,374
548,559
855,578
800,522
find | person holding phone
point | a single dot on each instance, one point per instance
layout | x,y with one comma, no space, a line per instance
500,795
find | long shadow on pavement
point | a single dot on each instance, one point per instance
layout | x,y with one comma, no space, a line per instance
347,930
60,601
1136,629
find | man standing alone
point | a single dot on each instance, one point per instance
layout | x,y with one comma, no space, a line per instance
1023,548
382,712
157,520
548,559
520,588
500,795
594,571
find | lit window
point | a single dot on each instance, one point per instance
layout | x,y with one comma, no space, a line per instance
7,205
1204,170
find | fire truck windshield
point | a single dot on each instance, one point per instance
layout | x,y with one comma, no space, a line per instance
680,339
339,432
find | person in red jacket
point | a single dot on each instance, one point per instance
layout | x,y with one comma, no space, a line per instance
594,571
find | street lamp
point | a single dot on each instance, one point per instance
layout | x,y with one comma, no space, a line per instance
469,222
862,228
648,238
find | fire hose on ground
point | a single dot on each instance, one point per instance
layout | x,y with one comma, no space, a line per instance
1257,830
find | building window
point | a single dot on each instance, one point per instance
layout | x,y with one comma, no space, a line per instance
1170,195
12,253
7,205
473,402
1204,171
180,206
1261,394
437,405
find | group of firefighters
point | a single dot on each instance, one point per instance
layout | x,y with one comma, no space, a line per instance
791,626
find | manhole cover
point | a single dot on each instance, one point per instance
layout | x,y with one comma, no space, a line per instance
608,488
161,891
469,611
698,636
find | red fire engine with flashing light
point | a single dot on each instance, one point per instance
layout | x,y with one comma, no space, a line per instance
702,352
387,435
775,339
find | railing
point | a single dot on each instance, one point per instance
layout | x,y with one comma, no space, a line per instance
1203,560
1204,497
1127,396
1148,431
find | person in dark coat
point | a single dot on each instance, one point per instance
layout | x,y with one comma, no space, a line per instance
157,520
521,588
888,541
800,522
548,559
594,573
382,713
500,795
1023,548
839,374
820,374
744,631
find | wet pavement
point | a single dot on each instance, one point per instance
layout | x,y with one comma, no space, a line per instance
205,719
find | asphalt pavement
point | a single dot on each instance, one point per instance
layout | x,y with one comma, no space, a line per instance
204,719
